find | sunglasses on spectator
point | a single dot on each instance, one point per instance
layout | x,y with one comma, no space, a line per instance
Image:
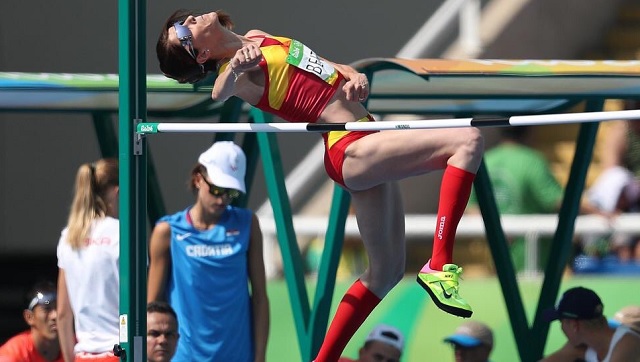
186,37
220,191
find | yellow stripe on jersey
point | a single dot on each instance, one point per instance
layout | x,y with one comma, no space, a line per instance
279,71
335,136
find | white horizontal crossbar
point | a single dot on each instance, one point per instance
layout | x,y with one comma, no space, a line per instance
530,120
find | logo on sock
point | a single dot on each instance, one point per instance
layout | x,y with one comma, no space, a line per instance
441,227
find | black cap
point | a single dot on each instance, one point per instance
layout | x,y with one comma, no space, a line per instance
42,299
42,293
576,303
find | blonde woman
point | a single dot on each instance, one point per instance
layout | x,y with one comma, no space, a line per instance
88,279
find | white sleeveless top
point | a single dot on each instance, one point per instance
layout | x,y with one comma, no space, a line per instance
92,277
592,356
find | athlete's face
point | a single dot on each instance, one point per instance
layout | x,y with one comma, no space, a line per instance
193,33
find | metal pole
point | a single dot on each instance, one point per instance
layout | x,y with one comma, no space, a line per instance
132,103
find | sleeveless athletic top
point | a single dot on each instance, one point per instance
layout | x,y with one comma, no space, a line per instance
298,83
592,356
93,281
208,287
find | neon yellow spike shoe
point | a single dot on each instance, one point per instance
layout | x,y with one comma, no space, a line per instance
442,286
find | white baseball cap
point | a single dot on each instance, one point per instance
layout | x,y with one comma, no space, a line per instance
226,165
387,334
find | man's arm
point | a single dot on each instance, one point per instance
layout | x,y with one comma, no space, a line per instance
259,299
159,261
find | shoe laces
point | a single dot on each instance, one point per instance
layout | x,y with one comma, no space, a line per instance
454,269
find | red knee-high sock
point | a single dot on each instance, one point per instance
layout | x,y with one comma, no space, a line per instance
454,195
354,308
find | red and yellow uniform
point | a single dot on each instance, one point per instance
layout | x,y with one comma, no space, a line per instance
298,87
335,144
295,92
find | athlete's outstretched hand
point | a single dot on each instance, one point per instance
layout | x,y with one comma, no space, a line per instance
246,58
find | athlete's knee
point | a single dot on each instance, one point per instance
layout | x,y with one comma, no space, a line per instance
383,279
471,145
474,141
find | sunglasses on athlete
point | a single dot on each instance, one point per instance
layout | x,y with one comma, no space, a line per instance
220,191
185,36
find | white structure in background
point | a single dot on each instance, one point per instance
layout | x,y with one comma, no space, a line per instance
532,227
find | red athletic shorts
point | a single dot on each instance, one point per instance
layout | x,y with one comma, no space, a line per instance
335,144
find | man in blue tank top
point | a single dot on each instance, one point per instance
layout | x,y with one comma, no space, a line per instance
207,262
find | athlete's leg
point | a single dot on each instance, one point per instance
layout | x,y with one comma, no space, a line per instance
380,215
394,155
381,223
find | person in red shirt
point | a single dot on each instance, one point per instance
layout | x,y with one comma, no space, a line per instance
40,343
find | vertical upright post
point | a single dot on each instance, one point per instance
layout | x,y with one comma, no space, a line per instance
502,259
132,106
291,258
562,239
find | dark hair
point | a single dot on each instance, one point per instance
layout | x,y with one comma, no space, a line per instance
161,307
175,61
193,176
42,286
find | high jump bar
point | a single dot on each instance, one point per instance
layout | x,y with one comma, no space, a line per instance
528,120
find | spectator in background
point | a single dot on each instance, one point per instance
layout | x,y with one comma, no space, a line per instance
629,316
617,188
523,184
472,341
88,276
40,343
207,262
383,344
162,332
580,312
